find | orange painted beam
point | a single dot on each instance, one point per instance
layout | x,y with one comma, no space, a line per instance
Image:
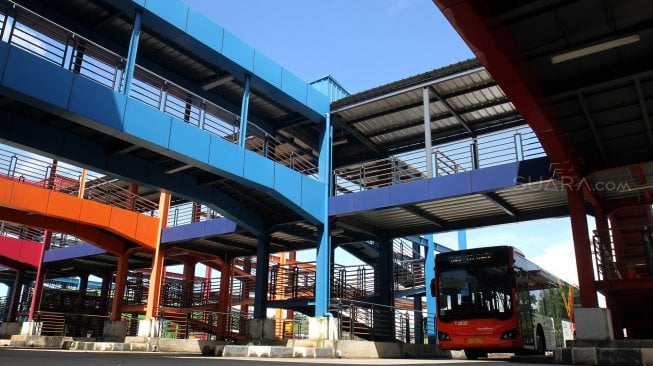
47,204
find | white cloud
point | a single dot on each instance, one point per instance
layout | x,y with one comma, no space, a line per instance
559,260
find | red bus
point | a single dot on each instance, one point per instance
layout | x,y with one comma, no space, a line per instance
495,300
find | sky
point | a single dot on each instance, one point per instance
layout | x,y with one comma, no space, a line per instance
364,44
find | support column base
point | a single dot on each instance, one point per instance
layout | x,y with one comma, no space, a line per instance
31,328
150,328
260,329
10,328
114,331
323,327
593,324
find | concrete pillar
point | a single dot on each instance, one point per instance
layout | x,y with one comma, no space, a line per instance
262,267
578,217
40,276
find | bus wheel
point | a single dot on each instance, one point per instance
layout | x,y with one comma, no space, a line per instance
474,354
540,341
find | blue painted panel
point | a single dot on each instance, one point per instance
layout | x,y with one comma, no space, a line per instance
4,54
293,86
204,30
267,69
259,170
374,198
148,124
496,177
75,251
189,140
181,233
174,12
219,226
39,79
312,196
535,170
226,156
317,100
341,204
238,51
96,106
450,186
288,183
410,192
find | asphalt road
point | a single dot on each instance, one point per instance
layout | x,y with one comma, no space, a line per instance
41,357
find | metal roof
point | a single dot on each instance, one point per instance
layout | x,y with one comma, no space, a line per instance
464,101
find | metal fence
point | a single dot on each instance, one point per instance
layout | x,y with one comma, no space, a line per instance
637,256
457,157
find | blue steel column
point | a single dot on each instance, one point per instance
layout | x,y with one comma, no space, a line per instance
431,300
417,301
261,285
323,255
133,50
462,239
244,111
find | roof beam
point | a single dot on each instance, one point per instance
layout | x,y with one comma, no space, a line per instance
592,126
440,116
357,226
426,216
501,203
453,111
420,103
644,109
359,136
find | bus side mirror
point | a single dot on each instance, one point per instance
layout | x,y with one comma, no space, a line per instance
434,287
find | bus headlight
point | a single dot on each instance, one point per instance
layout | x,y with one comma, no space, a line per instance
509,335
442,336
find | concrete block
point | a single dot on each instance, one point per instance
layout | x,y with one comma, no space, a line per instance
114,330
102,346
583,356
562,356
31,328
323,327
219,350
261,329
593,324
5,342
323,353
647,356
259,351
138,347
235,351
281,352
149,328
619,356
10,328
119,346
303,352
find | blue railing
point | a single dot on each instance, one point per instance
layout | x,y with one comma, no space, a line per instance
29,31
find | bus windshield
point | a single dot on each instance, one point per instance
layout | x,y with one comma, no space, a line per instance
474,291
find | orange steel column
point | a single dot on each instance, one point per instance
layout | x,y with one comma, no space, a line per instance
578,218
119,290
282,277
82,184
156,277
133,190
40,277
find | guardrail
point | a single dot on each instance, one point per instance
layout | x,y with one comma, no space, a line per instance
50,174
33,33
636,258
190,212
460,156
375,322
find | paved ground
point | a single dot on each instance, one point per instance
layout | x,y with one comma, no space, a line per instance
40,357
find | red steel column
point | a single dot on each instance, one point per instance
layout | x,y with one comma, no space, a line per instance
16,291
40,277
578,217
189,281
224,301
